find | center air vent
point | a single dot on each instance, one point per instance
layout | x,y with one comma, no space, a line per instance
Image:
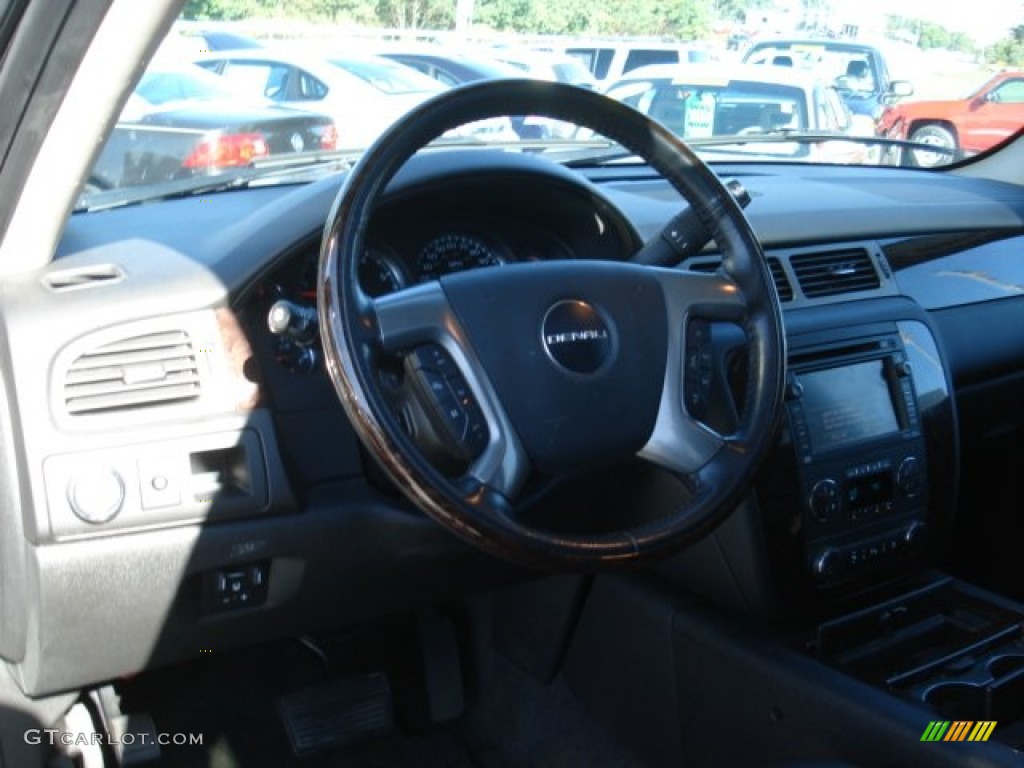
149,370
828,273
782,286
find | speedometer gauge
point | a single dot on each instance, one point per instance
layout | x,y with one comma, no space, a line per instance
454,253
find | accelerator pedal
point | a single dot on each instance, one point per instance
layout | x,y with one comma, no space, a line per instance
337,712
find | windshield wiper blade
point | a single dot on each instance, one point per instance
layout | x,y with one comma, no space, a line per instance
117,197
296,167
614,153
815,137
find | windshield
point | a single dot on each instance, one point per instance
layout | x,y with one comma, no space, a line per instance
847,81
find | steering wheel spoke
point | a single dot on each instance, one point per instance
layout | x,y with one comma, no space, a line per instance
420,321
712,296
417,315
681,440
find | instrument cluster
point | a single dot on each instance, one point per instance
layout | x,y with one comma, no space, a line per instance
398,257
438,232
383,269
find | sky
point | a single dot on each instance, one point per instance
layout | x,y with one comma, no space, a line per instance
985,20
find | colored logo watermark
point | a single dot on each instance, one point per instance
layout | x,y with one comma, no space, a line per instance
958,730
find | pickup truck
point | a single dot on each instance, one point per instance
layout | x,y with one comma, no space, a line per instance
858,70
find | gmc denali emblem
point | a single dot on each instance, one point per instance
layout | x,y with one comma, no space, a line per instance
576,337
565,338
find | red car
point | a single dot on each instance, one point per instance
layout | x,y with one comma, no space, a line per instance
962,126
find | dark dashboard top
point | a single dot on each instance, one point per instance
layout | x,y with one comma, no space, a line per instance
241,234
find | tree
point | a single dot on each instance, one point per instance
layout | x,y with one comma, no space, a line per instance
689,20
933,36
223,10
416,14
1008,52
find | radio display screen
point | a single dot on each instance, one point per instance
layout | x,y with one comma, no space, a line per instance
847,404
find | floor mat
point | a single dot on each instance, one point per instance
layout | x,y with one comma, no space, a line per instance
233,702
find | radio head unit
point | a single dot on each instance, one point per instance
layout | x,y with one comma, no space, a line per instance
855,429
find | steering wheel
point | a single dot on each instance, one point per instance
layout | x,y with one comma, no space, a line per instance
549,365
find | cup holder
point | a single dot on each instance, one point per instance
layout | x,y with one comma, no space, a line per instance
1000,666
998,699
959,701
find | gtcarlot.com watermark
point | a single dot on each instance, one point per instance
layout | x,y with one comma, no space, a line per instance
55,737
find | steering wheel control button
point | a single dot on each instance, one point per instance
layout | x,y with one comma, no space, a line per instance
697,368
449,402
434,357
96,494
576,337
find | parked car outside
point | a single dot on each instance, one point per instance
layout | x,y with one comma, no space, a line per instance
458,67
990,114
546,65
609,60
363,93
183,121
222,39
188,39
705,101
449,67
858,70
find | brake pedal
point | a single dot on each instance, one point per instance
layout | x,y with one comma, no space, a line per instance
133,735
337,712
442,668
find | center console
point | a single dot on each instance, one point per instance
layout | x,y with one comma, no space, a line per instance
868,455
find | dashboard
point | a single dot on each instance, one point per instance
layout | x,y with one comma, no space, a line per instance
885,274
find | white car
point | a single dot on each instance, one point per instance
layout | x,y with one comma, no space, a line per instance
609,60
714,101
363,93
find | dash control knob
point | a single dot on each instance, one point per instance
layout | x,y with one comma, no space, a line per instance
910,477
828,563
96,495
915,534
824,500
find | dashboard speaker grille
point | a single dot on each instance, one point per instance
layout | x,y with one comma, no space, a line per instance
828,273
142,371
